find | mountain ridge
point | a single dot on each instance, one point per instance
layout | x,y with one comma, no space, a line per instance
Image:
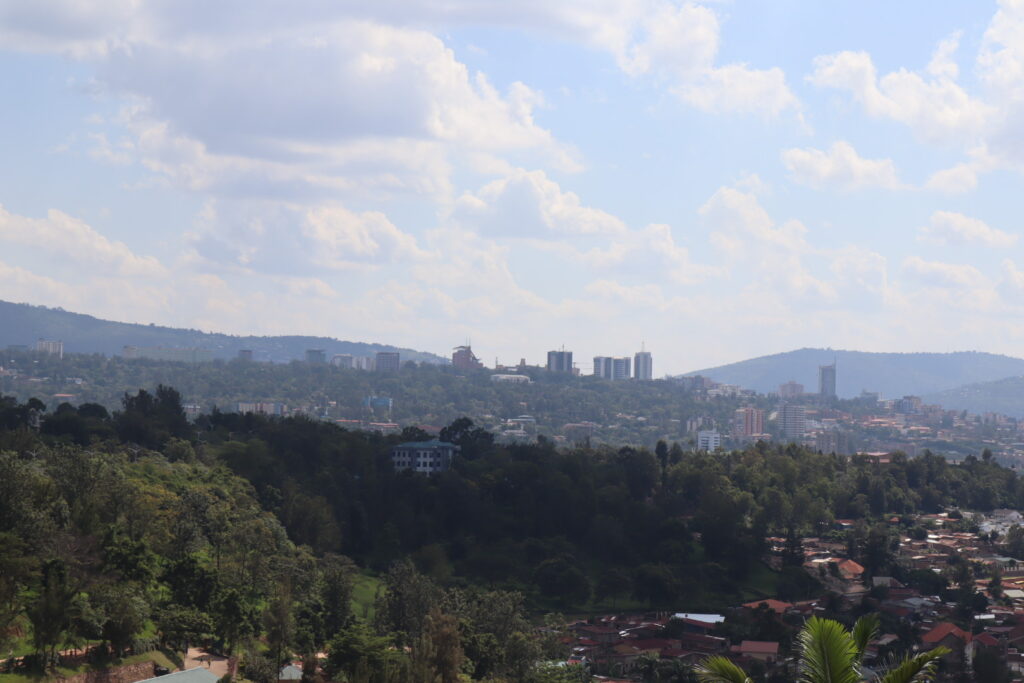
891,374
23,324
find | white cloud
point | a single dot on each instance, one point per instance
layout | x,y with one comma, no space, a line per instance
289,240
1001,57
938,274
529,204
680,45
840,166
950,228
937,109
76,242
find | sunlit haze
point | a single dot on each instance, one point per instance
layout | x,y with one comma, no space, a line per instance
716,181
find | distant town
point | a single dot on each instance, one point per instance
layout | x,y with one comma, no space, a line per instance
719,416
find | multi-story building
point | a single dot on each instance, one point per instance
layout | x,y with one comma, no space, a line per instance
827,381
261,407
316,356
908,405
387,361
607,367
463,358
560,361
832,441
51,348
793,420
643,368
342,360
746,422
245,354
708,440
791,389
426,457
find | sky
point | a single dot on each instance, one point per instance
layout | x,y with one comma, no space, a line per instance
714,181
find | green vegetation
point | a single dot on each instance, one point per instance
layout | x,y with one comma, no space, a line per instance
23,324
831,654
627,412
138,529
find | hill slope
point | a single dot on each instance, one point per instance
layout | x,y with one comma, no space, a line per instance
1004,396
891,374
24,324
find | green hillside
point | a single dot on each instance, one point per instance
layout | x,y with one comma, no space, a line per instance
1004,396
891,374
22,324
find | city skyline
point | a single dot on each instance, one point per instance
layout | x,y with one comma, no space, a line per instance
723,179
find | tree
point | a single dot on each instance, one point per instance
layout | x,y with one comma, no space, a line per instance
50,613
612,584
828,653
357,649
407,600
561,579
279,625
438,652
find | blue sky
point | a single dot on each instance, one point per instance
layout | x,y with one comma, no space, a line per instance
718,180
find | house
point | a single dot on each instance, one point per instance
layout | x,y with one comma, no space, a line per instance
776,606
758,649
428,457
195,675
950,635
289,672
850,570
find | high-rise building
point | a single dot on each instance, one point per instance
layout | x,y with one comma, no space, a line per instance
387,361
560,361
827,381
607,367
463,358
791,389
245,354
708,440
51,348
831,441
643,369
316,356
792,420
342,360
746,422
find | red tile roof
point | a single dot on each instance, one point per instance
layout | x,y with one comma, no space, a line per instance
759,647
776,606
943,630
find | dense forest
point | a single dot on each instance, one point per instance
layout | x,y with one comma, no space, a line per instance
137,529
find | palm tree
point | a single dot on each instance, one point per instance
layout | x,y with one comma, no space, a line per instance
831,654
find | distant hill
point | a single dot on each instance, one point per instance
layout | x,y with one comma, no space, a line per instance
1004,396
891,374
22,324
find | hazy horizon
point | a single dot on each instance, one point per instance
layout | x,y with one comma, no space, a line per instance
719,180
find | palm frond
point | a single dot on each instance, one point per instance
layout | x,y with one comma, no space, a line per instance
864,631
917,668
719,669
828,653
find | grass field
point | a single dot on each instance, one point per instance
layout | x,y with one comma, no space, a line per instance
155,656
363,596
